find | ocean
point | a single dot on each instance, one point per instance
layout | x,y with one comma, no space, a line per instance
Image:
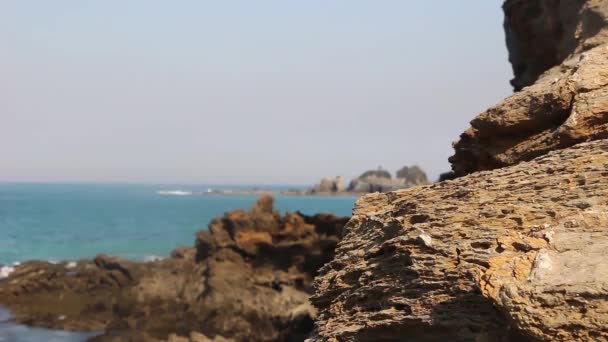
56,222
11,332
69,221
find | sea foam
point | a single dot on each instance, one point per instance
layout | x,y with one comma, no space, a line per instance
5,271
152,258
174,192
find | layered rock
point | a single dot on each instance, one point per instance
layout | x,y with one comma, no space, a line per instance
559,105
513,254
247,279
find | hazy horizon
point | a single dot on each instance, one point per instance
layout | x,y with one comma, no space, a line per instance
241,92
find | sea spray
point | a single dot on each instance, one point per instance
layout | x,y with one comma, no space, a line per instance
6,270
152,258
174,192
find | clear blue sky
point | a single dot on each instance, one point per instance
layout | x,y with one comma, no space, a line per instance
232,92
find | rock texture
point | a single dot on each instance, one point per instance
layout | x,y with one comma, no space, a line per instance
247,279
559,105
513,254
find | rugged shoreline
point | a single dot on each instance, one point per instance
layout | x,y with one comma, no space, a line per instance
248,278
513,249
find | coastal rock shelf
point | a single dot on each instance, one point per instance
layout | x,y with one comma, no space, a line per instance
247,279
559,105
512,254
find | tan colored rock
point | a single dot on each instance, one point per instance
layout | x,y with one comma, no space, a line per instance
560,105
513,254
561,109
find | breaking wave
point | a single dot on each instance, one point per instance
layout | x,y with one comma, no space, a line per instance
174,192
151,258
6,270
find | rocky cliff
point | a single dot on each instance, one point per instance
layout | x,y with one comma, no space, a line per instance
512,254
247,279
559,56
515,248
541,34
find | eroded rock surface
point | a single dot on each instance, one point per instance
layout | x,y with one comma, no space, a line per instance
513,254
247,279
561,104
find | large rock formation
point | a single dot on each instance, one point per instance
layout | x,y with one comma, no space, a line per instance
541,34
561,104
374,180
513,254
247,279
329,185
382,181
412,175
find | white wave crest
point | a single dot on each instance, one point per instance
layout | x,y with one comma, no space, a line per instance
152,258
174,192
5,271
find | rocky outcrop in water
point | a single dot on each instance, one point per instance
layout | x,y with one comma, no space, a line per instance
513,254
382,181
374,181
412,175
248,278
330,185
559,54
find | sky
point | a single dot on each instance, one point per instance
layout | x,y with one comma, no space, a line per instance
240,91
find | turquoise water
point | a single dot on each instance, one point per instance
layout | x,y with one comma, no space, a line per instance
63,222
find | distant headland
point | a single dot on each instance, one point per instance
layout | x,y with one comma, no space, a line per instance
378,180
